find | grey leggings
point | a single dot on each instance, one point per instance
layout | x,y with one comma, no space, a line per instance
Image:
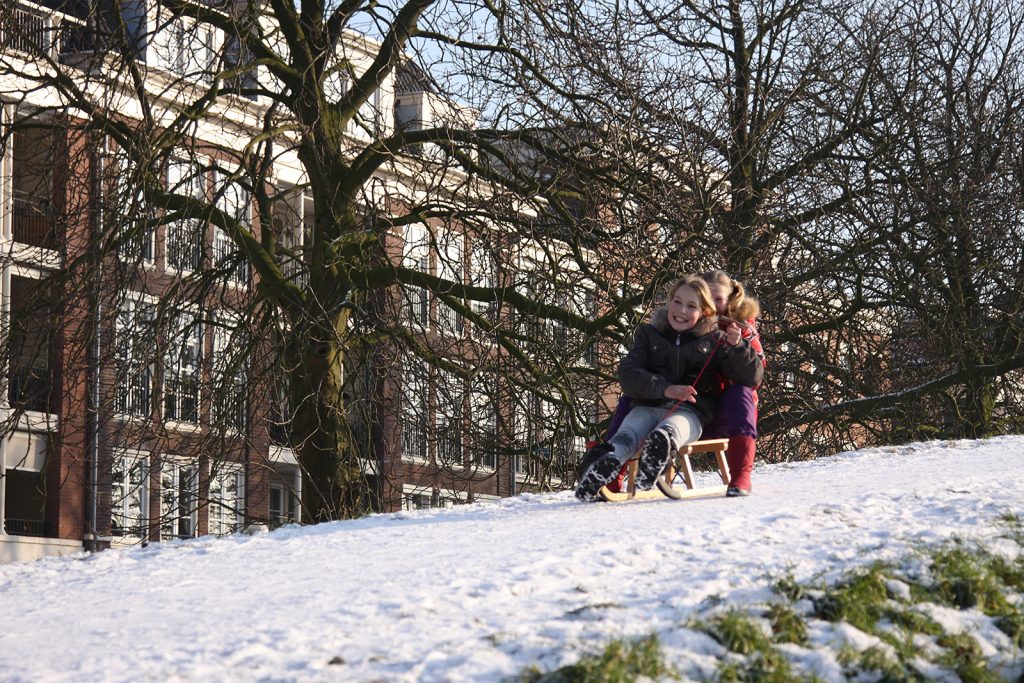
683,426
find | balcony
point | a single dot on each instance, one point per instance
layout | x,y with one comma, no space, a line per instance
31,29
34,224
31,389
26,527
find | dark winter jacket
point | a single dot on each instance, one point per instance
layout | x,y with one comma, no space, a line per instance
661,357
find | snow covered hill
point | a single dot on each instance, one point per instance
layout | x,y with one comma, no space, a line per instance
478,593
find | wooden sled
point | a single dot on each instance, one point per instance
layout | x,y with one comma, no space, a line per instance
677,467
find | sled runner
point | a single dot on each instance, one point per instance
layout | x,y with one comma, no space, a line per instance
678,468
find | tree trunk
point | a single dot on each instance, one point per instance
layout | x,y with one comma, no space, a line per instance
333,486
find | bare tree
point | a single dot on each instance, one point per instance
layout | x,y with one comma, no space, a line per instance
271,219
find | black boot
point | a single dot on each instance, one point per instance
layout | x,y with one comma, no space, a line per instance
591,456
598,467
655,456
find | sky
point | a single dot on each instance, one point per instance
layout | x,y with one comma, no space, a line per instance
480,592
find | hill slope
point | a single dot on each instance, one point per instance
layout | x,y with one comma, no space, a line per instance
478,593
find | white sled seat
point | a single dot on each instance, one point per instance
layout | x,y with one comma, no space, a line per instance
678,468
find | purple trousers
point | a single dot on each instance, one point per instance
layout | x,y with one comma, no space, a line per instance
736,414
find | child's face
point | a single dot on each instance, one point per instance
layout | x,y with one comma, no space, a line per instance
684,309
720,297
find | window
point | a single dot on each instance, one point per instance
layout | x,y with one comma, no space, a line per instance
417,498
229,374
235,201
451,267
370,117
129,494
416,256
134,343
522,439
414,410
450,394
422,498
282,505
181,369
178,494
185,236
483,422
186,48
226,498
483,273
289,221
127,213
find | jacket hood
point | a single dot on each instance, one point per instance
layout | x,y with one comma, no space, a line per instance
659,320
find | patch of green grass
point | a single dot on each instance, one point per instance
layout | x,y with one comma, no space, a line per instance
763,667
907,622
738,632
914,621
788,588
621,662
787,625
959,574
878,663
860,600
963,655
1009,572
965,579
1012,624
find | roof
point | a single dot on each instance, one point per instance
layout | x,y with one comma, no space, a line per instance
410,77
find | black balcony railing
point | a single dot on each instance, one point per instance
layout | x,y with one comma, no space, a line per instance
31,389
31,30
24,30
34,226
26,527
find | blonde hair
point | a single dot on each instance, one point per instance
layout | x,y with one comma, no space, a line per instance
700,288
739,305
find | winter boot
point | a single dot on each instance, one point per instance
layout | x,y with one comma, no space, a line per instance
616,485
592,456
655,456
597,468
741,463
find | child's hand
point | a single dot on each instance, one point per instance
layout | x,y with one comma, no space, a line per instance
681,392
733,334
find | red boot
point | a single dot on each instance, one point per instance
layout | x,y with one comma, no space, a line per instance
616,485
741,463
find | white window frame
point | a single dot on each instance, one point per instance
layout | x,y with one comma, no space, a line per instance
185,499
451,265
131,352
226,515
117,166
235,200
415,304
287,514
483,272
417,497
484,421
522,435
227,325
179,235
449,425
125,466
186,48
183,358
415,406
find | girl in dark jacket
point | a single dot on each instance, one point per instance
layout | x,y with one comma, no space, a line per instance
670,374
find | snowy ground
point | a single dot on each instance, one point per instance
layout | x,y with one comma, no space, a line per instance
477,593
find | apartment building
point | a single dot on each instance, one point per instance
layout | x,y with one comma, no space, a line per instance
102,440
